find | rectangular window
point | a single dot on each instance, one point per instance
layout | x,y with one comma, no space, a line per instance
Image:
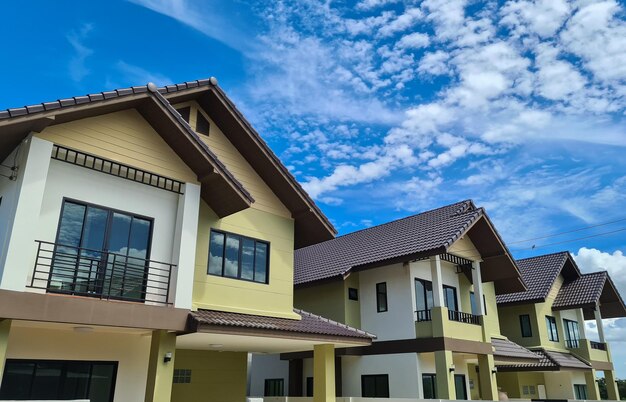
353,294
309,386
553,333
473,304
202,124
375,386
381,297
571,333
429,383
580,391
238,257
524,322
423,295
275,387
58,380
182,376
449,297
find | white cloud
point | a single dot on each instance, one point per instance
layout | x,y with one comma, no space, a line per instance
541,17
134,75
414,40
592,260
367,5
401,22
77,68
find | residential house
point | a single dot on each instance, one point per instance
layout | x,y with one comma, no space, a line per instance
426,285
549,318
147,241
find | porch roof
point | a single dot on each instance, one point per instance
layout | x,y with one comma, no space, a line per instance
506,350
548,361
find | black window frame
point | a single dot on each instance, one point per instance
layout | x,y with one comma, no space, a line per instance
572,325
203,125
424,296
529,333
432,378
375,377
445,299
239,255
381,295
473,296
309,386
182,376
113,364
578,388
353,294
268,386
550,324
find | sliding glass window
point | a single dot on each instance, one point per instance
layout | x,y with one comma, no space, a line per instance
238,257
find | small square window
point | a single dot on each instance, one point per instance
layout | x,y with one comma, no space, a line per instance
353,294
182,376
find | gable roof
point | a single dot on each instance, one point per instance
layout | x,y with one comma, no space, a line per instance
578,290
539,274
549,361
426,234
220,189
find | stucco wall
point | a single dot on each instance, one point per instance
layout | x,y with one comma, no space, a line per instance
130,350
401,368
8,194
267,366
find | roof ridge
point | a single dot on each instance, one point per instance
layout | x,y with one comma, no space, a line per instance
328,320
397,220
543,255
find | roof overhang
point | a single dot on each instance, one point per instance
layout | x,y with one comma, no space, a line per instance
611,303
220,190
497,264
311,225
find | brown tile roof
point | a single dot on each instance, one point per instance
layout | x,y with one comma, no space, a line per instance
507,349
549,361
539,274
585,290
428,232
310,324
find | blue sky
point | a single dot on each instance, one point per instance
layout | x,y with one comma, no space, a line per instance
383,108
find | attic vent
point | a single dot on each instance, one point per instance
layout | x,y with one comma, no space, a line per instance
115,169
202,124
184,113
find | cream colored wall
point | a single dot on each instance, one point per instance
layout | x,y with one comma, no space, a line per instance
559,385
491,320
264,198
130,350
510,324
353,307
326,299
215,376
123,137
226,294
464,247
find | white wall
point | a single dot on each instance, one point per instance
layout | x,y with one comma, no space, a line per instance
421,270
559,385
131,351
8,192
401,368
397,322
264,367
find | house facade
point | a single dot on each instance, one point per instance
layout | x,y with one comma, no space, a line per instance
147,240
427,286
549,318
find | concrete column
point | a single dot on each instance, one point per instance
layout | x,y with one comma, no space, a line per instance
599,324
593,392
435,271
160,372
478,287
184,249
5,329
19,260
611,385
445,377
488,382
581,323
324,373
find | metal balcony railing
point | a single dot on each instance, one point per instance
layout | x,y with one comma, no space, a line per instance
463,317
572,343
597,345
97,273
422,315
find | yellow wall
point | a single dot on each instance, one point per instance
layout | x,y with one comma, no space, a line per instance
226,294
510,324
491,320
264,198
353,307
123,137
215,376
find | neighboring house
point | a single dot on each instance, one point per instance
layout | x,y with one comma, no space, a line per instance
427,286
147,242
549,318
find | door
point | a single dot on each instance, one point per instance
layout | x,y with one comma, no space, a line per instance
100,251
459,386
541,391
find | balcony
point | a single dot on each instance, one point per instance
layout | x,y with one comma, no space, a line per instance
433,323
466,318
572,343
597,345
98,273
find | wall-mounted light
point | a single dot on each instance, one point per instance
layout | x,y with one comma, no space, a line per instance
452,368
168,357
494,370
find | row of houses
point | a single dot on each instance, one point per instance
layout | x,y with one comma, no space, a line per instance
153,247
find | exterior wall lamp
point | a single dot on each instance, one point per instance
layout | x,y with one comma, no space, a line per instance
494,370
452,368
167,358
